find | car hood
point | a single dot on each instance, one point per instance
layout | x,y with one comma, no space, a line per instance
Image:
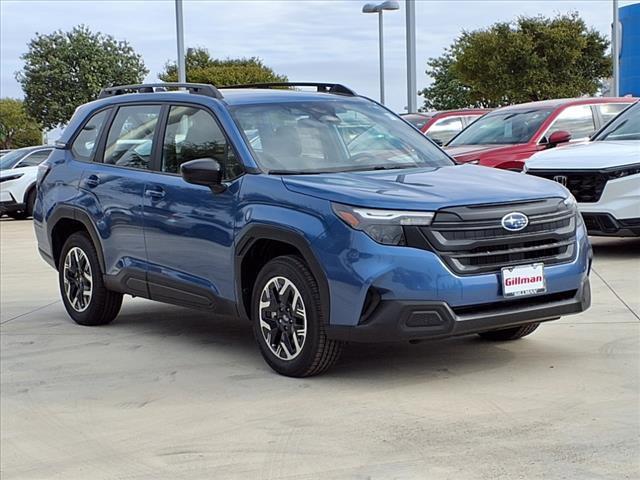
424,188
591,155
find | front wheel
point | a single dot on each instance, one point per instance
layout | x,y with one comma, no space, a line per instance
84,295
510,333
288,319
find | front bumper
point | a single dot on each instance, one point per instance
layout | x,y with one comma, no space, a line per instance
606,225
396,320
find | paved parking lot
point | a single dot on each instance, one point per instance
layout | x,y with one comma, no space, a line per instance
166,392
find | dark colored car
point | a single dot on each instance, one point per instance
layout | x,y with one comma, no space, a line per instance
508,136
442,126
321,217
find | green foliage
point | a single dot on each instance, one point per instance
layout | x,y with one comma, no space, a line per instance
65,69
535,58
17,129
201,68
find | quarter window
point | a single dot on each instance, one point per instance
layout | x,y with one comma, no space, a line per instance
130,139
85,145
577,120
192,133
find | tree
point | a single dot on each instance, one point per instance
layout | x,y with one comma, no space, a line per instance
534,58
65,69
201,68
446,92
17,129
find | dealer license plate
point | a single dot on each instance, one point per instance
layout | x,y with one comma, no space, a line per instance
523,280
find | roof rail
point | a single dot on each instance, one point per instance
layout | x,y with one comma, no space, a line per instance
321,87
195,88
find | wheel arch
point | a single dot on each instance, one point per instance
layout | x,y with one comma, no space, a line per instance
27,191
249,259
67,220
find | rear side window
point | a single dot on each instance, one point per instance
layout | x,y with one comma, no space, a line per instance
85,145
130,139
34,159
577,120
192,133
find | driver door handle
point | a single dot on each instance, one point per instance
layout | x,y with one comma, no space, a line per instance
155,193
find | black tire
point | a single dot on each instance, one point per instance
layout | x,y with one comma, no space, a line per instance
510,333
19,215
317,353
103,305
30,202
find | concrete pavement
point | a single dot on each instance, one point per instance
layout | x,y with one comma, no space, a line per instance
167,393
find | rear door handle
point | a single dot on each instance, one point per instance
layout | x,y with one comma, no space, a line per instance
155,193
92,181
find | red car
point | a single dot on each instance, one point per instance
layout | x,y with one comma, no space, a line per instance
508,136
442,126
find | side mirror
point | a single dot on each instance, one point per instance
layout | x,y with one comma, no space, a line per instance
437,141
203,171
557,137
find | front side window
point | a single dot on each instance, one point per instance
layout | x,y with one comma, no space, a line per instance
577,120
130,139
34,159
85,145
625,127
332,136
508,127
445,129
192,133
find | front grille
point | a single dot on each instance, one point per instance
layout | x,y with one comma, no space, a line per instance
471,239
586,186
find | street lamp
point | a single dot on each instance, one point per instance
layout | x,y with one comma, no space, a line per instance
379,8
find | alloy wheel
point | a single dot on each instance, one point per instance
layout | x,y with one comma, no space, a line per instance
78,281
283,318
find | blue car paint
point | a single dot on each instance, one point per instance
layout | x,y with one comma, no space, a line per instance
192,235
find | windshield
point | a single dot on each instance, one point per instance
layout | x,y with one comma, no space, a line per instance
625,126
11,158
333,136
502,128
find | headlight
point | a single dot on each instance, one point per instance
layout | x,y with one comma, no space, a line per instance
11,177
383,226
571,202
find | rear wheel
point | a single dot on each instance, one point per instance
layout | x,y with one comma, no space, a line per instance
510,333
288,319
84,295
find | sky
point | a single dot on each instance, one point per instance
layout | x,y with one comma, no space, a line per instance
329,41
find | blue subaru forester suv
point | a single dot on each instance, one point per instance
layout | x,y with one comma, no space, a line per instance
320,216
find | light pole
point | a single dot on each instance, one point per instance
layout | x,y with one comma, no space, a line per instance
379,8
182,74
615,51
412,106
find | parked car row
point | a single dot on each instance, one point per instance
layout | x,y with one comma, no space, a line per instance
443,125
602,174
506,138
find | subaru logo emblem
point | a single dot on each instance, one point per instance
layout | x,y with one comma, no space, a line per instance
515,221
561,179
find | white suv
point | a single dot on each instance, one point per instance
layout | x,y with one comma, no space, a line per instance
18,173
603,175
